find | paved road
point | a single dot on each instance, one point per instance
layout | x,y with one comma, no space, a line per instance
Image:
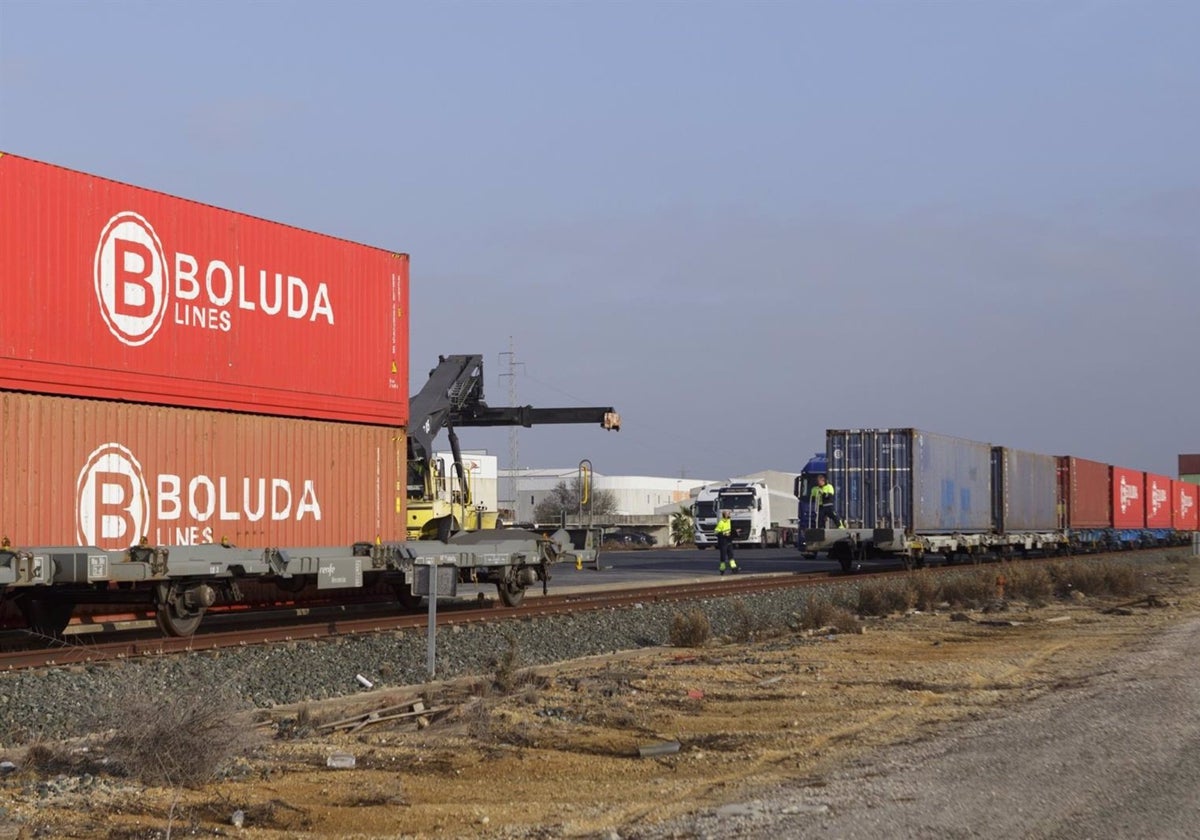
660,565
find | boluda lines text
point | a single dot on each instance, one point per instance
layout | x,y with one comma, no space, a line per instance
1129,494
117,505
139,287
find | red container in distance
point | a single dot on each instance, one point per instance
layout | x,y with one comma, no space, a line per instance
1084,493
1158,501
1185,507
86,472
1128,498
116,292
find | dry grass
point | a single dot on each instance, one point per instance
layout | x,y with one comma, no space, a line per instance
1032,584
745,624
968,589
1096,577
691,629
819,611
1036,584
884,597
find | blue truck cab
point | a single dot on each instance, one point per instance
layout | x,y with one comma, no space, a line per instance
806,512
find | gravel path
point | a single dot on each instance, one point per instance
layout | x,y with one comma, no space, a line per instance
1117,757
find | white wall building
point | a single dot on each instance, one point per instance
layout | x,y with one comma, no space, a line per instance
636,495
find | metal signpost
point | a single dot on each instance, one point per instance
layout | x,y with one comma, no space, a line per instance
429,587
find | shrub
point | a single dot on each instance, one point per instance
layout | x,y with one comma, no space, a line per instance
185,738
818,611
745,623
925,590
1122,579
690,629
48,759
884,597
1096,577
1029,583
507,675
969,589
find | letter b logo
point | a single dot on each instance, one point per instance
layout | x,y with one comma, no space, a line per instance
131,279
112,501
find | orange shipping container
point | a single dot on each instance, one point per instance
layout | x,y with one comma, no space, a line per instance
88,472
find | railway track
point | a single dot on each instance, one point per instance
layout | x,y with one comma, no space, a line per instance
230,631
143,642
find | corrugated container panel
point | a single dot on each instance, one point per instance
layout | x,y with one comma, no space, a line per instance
1024,490
1191,479
1128,498
918,481
1086,493
1189,464
1185,513
117,292
1158,501
87,472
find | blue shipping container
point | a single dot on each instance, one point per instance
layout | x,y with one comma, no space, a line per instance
918,482
1024,490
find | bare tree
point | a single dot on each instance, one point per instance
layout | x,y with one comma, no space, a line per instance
565,498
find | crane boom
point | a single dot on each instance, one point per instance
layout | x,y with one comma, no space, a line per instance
453,396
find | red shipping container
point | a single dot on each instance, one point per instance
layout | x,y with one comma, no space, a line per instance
1158,501
86,472
1128,498
1084,489
1185,513
1189,464
118,292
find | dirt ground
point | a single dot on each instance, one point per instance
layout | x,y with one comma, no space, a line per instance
558,752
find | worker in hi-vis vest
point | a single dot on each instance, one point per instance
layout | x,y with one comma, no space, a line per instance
822,499
724,531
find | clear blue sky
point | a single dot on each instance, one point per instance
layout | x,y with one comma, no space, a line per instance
738,223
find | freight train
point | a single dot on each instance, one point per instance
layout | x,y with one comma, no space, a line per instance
910,494
196,404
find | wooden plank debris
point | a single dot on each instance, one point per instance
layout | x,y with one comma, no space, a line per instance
412,710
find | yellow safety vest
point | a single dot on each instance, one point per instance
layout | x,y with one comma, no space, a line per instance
724,526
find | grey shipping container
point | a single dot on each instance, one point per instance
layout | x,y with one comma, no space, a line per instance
918,482
1024,490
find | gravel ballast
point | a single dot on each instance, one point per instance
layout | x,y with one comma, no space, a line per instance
74,700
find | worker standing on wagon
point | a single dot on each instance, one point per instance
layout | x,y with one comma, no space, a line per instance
822,500
724,532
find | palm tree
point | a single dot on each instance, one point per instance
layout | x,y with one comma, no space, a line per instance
683,527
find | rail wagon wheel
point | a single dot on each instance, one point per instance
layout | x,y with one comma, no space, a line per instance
46,617
407,598
173,624
511,593
179,611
